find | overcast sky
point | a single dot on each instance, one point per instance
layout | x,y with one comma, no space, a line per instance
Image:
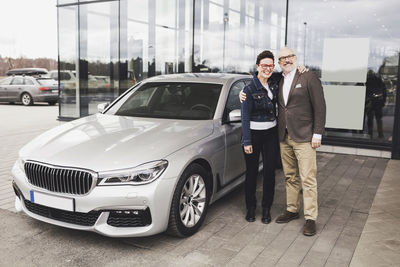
28,28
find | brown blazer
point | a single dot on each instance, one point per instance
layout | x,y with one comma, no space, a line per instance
305,111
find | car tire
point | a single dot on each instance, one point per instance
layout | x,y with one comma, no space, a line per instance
52,103
190,202
26,99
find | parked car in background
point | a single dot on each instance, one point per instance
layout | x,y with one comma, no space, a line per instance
152,161
67,78
28,89
27,71
68,82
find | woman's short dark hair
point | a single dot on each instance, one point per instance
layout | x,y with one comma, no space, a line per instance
264,54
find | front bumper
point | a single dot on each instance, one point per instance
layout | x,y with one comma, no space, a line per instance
104,208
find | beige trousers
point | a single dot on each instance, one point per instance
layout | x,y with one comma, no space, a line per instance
299,161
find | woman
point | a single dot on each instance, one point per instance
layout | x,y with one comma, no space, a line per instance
260,135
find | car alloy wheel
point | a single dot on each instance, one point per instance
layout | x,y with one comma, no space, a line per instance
190,201
26,99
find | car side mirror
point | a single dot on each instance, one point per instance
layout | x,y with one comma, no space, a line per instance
235,116
101,107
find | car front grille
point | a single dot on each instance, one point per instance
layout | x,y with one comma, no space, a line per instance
60,180
78,218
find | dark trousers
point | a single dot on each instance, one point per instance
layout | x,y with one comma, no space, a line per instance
266,143
375,111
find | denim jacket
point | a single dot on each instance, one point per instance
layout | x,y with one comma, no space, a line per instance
258,106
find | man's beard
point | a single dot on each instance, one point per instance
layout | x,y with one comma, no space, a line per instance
289,68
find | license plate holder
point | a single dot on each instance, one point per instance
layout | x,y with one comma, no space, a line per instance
57,202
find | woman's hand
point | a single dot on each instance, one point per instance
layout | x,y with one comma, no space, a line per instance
248,149
242,96
302,69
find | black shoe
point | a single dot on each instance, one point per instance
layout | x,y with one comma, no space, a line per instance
266,216
287,216
309,228
251,215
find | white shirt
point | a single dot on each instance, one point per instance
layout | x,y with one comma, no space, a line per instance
263,125
287,83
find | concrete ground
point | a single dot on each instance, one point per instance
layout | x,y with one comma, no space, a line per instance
347,185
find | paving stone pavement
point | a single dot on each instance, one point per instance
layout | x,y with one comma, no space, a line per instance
19,125
379,244
346,185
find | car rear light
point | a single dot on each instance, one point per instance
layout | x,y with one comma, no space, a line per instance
44,88
107,85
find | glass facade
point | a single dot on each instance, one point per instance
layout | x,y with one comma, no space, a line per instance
354,47
105,47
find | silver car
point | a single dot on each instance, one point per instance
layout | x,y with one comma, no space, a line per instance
152,161
28,89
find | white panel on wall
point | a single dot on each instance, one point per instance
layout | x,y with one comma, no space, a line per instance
345,59
344,106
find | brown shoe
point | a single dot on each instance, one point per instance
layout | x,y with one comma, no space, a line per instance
309,228
287,216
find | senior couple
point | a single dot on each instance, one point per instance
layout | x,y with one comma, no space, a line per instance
298,124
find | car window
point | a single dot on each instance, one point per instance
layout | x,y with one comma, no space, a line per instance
28,82
54,75
233,101
17,81
5,81
190,101
65,76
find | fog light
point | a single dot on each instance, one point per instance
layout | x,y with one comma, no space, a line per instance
129,218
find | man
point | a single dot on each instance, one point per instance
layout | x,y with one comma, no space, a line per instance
374,102
301,123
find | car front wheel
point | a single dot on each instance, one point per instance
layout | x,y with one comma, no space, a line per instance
190,202
26,99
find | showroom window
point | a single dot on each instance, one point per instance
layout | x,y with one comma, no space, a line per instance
353,46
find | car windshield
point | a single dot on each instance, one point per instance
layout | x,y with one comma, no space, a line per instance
189,101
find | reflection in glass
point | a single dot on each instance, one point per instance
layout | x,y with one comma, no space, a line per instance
68,57
155,38
230,34
99,81
367,19
62,2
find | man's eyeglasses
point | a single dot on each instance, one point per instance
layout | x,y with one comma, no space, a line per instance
287,57
267,66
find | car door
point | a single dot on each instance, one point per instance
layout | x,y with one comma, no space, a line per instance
4,84
15,88
234,159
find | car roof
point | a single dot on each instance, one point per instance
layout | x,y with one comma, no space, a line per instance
27,71
198,77
33,77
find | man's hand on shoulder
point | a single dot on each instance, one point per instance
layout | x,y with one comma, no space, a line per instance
302,68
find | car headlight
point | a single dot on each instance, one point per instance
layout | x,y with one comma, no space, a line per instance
142,174
21,163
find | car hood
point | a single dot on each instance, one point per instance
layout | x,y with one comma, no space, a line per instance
106,142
